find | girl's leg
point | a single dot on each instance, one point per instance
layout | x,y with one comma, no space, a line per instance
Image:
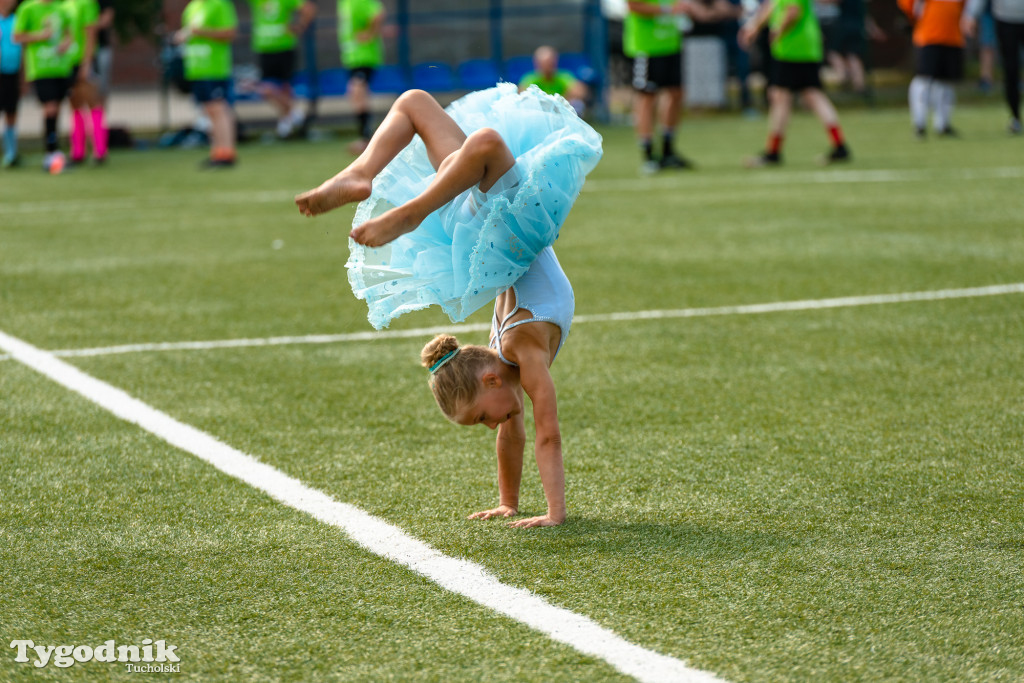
481,160
919,97
819,103
78,125
414,113
1009,36
779,112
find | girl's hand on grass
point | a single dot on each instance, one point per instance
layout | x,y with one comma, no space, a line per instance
544,520
500,511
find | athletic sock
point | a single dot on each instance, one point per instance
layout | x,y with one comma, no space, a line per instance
99,133
647,148
666,145
10,142
363,118
836,135
51,133
77,135
945,96
774,143
918,96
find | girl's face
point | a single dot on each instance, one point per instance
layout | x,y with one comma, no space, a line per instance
496,402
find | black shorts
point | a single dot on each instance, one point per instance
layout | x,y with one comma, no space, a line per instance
850,38
651,74
52,89
10,93
941,62
211,91
277,66
796,76
363,73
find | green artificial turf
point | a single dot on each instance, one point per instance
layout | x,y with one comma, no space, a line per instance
817,495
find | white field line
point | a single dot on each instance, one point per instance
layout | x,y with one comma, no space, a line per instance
603,186
750,309
373,533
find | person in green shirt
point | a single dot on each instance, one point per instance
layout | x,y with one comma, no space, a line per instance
652,39
43,27
360,36
797,51
207,29
276,26
554,81
85,96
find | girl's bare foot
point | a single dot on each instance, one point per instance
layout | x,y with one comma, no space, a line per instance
379,231
340,190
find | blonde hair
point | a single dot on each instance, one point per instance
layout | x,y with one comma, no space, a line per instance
456,382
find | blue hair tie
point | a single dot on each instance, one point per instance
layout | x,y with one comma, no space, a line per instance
444,359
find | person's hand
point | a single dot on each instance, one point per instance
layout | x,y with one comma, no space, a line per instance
182,35
746,36
545,520
500,511
969,26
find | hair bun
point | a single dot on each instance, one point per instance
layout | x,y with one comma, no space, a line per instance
436,349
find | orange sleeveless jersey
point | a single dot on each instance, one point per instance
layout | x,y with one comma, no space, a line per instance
936,22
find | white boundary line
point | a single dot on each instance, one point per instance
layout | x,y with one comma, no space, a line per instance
750,309
373,533
600,185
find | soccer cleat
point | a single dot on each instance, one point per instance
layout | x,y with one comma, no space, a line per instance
217,163
763,159
920,133
1014,127
673,160
650,167
12,161
838,154
949,132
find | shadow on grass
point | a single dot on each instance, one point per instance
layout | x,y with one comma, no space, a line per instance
594,535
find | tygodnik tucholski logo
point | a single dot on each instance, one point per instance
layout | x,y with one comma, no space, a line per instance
149,657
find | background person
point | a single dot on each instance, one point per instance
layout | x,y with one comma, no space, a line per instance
554,81
797,51
208,29
939,43
87,120
1009,18
43,27
360,35
653,40
275,37
10,82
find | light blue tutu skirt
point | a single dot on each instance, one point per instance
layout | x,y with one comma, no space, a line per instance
473,248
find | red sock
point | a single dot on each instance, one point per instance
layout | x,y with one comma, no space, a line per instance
836,135
774,143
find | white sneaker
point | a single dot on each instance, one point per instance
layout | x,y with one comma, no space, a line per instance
284,127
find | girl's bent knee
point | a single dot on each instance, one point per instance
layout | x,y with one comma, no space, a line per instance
413,97
486,141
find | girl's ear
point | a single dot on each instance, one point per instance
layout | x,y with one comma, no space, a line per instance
491,380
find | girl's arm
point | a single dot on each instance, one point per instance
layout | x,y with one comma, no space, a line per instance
749,30
224,35
789,20
510,444
29,37
536,380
